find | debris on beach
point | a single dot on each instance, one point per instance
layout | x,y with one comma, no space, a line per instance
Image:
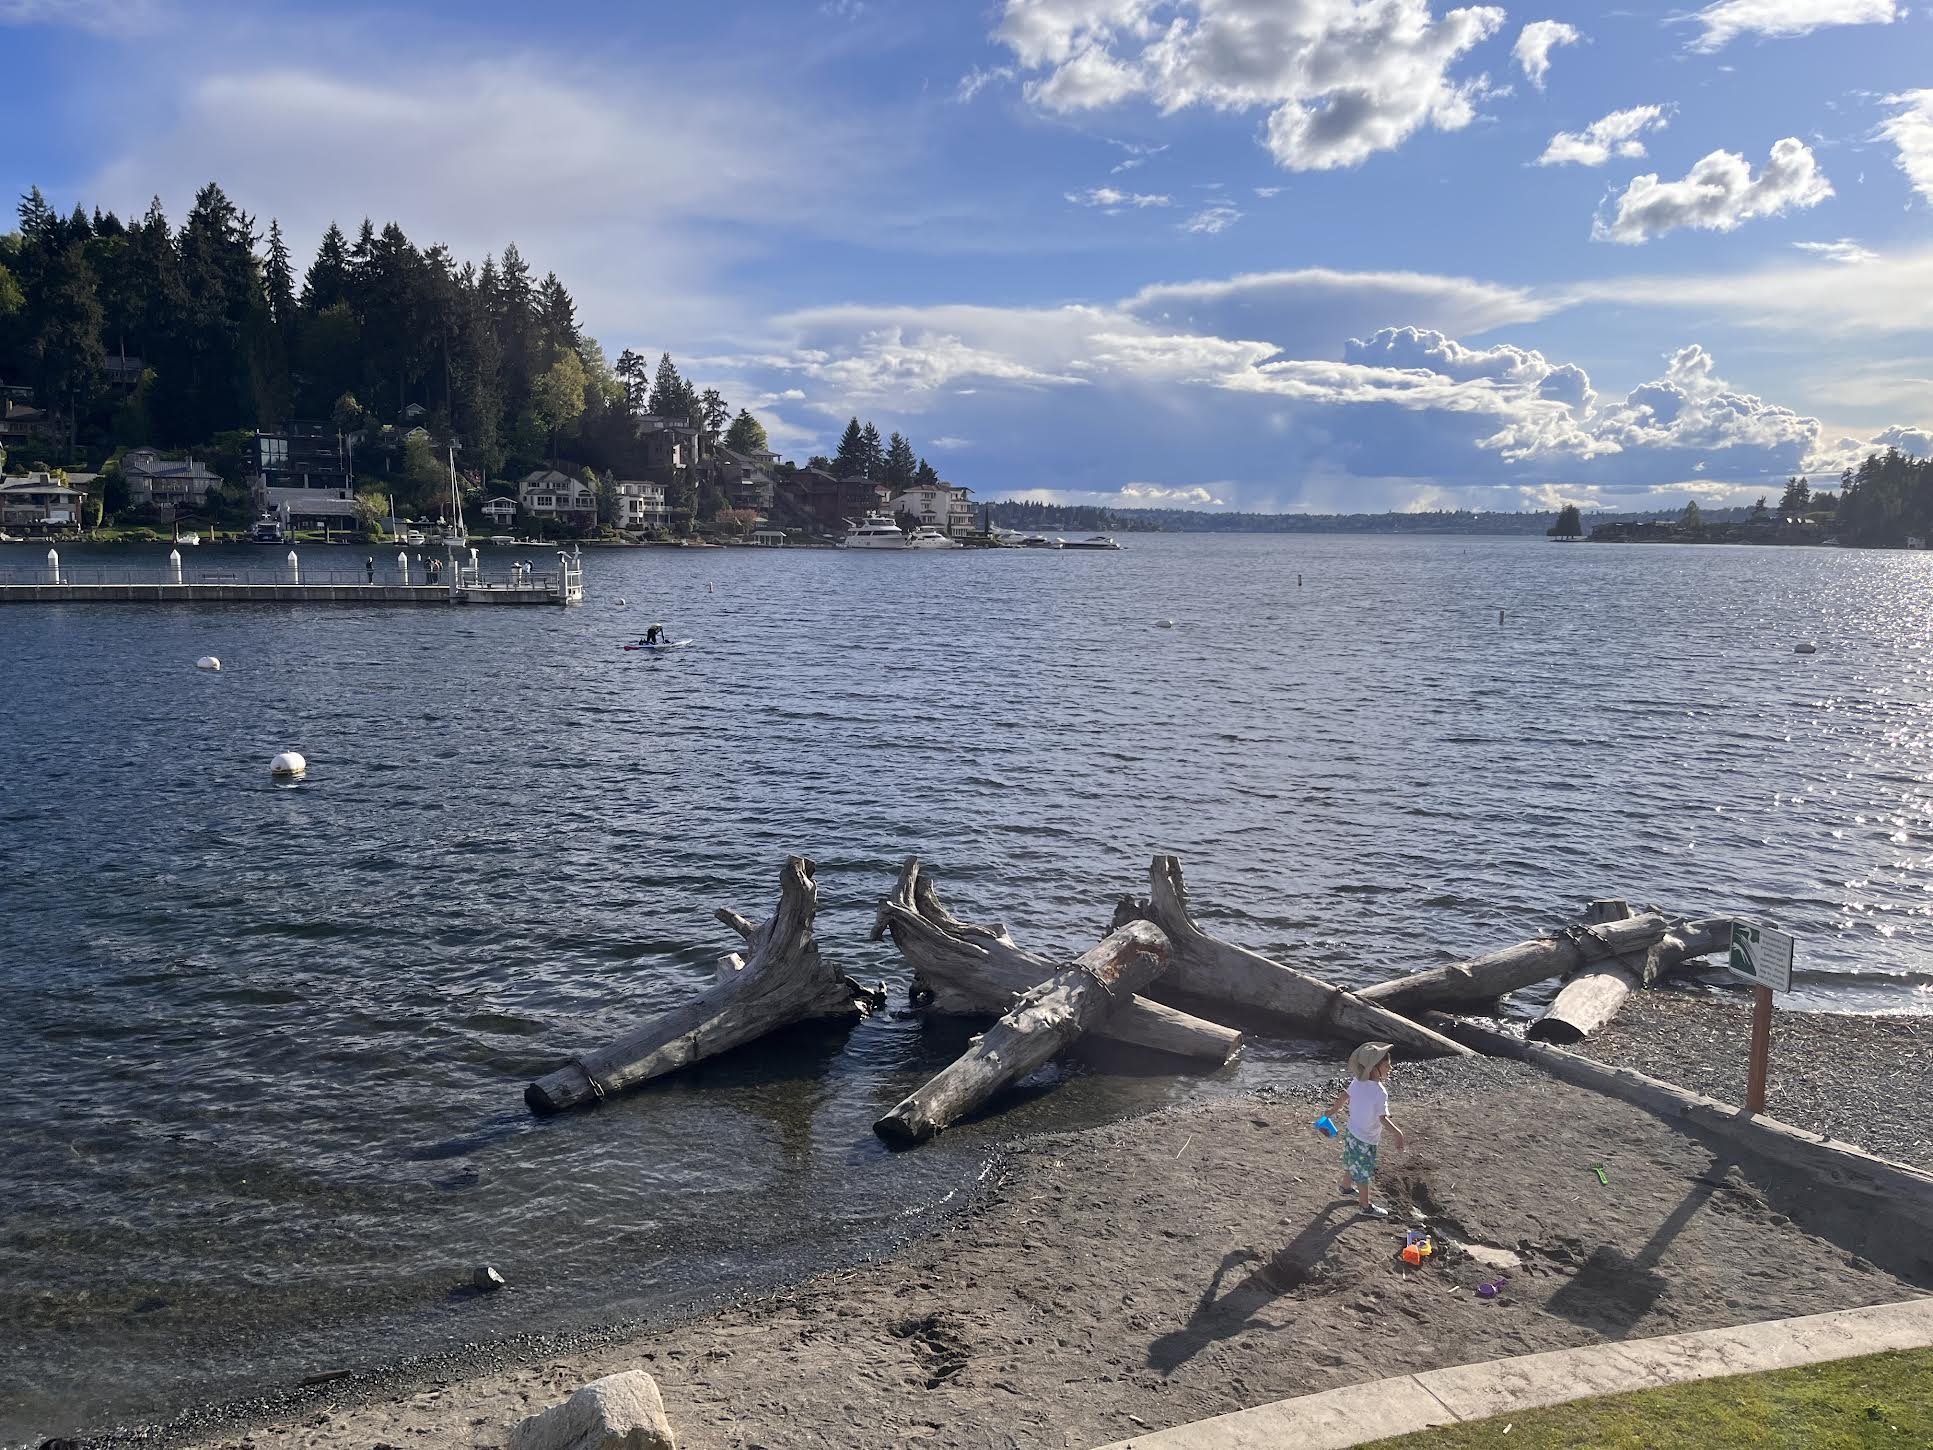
485,1278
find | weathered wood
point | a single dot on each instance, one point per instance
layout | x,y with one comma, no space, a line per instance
1593,996
1208,969
780,981
966,970
1483,979
1044,1021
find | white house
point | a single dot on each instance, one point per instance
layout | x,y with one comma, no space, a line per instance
943,507
640,504
501,511
548,494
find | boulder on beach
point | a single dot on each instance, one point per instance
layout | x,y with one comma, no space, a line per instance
619,1412
486,1278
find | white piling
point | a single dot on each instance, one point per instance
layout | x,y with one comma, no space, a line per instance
402,565
174,563
295,567
53,563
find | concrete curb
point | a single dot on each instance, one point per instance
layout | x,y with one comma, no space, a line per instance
1836,1164
1353,1414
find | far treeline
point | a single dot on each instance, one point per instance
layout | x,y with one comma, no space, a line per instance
1034,516
1884,503
138,333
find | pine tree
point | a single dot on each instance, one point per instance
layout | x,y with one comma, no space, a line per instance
925,476
899,466
850,460
327,282
65,317
559,315
634,372
713,408
873,454
279,279
669,396
747,434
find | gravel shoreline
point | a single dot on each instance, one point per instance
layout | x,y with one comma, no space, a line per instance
1867,1080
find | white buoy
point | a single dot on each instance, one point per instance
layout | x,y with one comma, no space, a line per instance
711,589
288,766
1805,647
1164,624
208,662
619,603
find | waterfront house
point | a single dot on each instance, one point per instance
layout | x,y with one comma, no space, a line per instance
640,503
943,507
300,473
744,480
173,484
501,511
548,494
827,503
42,500
21,423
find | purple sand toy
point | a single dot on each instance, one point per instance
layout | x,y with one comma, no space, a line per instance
1325,1127
1491,1289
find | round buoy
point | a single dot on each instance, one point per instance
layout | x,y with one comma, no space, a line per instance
1805,647
1164,624
208,662
617,603
288,766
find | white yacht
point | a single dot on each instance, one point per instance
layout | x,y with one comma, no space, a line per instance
1097,541
1039,541
875,531
926,537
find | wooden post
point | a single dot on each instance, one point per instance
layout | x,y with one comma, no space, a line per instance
1761,1049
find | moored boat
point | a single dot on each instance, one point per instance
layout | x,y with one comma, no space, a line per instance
1094,541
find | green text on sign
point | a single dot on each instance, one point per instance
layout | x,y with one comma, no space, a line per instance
1762,955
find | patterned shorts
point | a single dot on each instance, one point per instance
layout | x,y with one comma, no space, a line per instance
1358,1158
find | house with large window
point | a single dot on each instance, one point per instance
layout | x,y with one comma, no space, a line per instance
501,512
548,494
943,507
640,504
300,473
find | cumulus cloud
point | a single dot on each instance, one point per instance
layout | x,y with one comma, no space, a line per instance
1112,200
1340,82
1844,250
1910,129
1613,135
1725,21
1211,219
104,17
1717,194
1534,44
1916,441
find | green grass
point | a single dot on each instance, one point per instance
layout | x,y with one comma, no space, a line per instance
1883,1402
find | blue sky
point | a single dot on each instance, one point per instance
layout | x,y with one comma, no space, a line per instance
1323,254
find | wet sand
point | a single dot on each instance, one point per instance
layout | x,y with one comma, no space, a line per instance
1201,1260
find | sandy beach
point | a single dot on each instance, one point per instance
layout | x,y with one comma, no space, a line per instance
1150,1272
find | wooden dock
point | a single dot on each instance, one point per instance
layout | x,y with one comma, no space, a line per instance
387,585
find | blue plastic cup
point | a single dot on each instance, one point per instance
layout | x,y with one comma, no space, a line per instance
1325,1127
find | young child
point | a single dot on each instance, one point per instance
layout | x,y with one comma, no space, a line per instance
1368,1102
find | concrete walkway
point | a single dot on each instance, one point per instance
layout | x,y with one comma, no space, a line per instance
1357,1413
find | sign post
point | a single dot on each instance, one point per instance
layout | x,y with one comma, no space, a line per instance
1761,955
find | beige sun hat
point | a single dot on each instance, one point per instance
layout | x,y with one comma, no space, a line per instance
1362,1062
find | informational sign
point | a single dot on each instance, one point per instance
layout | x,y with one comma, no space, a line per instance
1761,955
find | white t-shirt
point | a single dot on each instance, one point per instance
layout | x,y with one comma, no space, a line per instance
1368,1101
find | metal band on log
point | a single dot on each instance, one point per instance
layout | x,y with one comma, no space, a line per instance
1484,979
1210,970
1043,1022
1592,997
967,970
780,981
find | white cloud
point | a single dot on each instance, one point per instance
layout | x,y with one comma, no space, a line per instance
1889,296
1844,250
1111,200
979,78
1340,81
1265,192
1717,194
1209,220
104,17
1725,21
947,440
1916,441
1910,129
1536,41
1613,135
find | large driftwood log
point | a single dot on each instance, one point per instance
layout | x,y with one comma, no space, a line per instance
963,969
1044,1021
1208,969
781,981
1592,997
1483,979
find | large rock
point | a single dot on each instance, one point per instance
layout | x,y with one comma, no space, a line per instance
619,1412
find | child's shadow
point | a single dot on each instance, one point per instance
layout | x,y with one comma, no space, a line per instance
1220,1316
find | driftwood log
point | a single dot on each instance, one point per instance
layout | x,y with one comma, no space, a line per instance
1210,970
1046,1019
1593,996
1484,979
780,981
961,969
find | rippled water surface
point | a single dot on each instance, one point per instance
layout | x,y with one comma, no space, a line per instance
265,1046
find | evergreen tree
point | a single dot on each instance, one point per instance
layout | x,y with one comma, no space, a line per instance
670,397
1692,518
714,410
279,279
634,372
747,434
327,282
65,322
559,316
1796,499
872,453
1570,523
850,459
899,466
925,476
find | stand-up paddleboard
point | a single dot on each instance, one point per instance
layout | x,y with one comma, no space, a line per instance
654,648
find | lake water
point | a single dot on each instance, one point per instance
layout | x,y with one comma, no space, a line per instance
265,1046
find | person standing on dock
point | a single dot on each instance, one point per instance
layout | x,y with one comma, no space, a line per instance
369,567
